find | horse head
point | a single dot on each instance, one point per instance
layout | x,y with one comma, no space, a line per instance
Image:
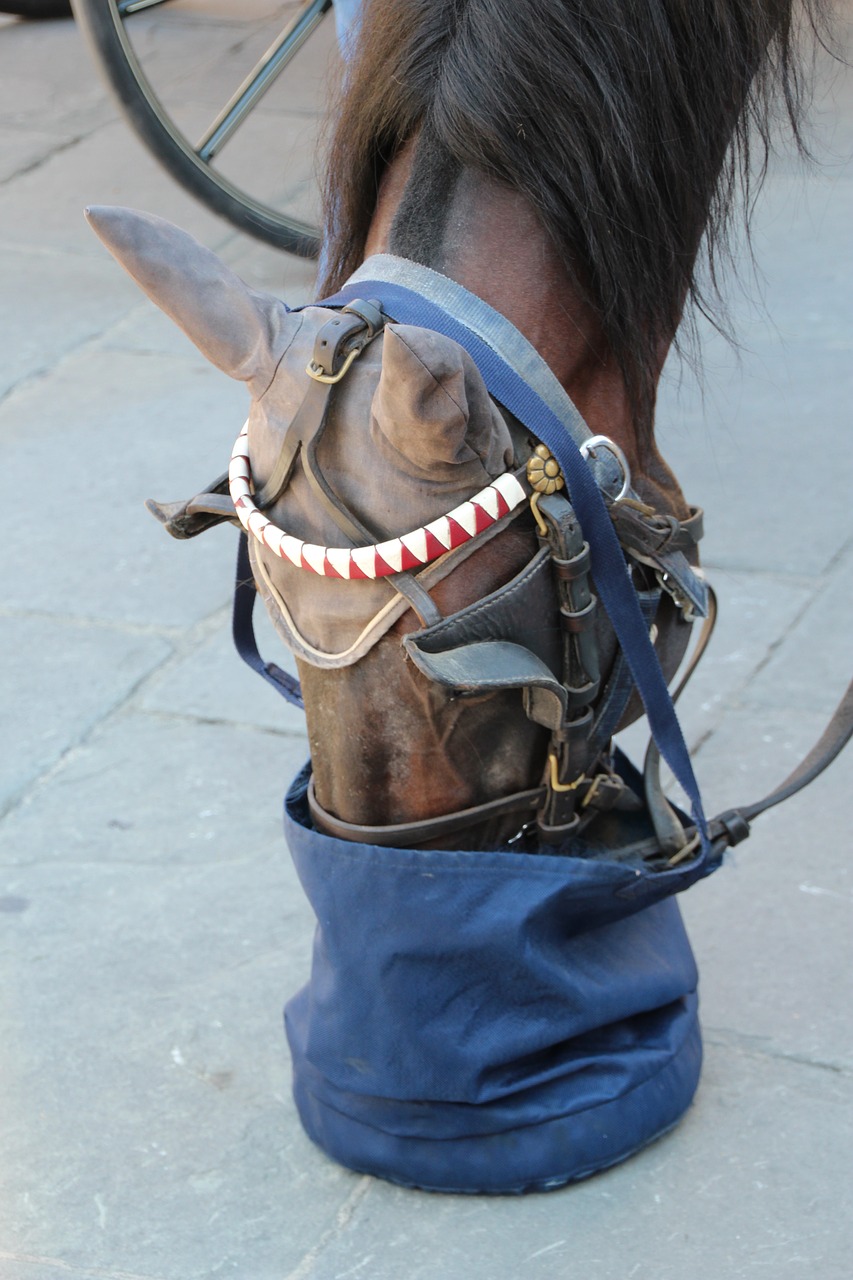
574,222
409,434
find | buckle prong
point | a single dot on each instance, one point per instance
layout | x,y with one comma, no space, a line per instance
554,777
315,370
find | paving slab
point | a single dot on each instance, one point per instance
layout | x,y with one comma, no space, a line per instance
49,84
22,149
70,677
103,433
209,792
51,305
98,159
147,1120
773,927
808,670
106,166
803,295
724,1195
749,459
211,683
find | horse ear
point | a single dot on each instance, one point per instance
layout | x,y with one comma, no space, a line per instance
432,405
236,328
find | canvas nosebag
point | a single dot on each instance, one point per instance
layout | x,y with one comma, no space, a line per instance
487,1022
513,1019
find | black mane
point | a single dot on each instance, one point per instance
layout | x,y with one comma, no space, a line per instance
630,126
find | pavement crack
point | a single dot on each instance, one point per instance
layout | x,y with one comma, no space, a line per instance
816,588
69,1268
756,1047
181,644
342,1220
222,722
43,372
32,165
85,622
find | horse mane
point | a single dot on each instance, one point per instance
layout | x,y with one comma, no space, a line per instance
631,126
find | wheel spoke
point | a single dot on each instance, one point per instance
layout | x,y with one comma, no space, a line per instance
109,26
260,78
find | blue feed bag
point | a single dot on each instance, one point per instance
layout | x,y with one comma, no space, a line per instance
488,1022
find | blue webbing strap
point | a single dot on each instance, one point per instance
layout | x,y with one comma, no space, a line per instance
243,630
609,568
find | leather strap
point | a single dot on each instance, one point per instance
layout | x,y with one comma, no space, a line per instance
243,631
665,820
734,823
307,422
404,835
648,535
728,828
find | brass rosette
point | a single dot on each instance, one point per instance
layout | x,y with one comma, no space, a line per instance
543,471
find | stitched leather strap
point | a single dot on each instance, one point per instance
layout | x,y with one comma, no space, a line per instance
734,823
404,835
306,423
665,820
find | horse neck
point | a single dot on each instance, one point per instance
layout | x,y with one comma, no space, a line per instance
490,241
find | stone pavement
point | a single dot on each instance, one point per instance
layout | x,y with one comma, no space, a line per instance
151,924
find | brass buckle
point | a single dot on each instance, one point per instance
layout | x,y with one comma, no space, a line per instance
554,776
315,370
593,791
359,323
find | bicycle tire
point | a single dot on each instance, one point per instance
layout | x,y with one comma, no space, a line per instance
103,31
37,8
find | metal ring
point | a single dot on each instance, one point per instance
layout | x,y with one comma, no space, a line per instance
588,448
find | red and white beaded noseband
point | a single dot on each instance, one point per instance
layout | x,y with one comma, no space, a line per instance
378,561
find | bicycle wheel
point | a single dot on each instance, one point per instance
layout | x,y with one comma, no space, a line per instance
167,70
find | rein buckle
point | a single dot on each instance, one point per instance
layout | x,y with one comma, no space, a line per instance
343,338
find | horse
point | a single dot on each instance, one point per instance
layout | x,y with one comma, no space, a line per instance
482,1017
563,162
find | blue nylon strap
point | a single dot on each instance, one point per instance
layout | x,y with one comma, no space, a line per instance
243,630
609,567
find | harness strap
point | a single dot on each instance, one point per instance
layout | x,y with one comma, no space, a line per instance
648,534
519,378
665,820
727,828
570,757
337,341
243,631
308,422
834,738
403,835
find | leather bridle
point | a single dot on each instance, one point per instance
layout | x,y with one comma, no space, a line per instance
462,652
